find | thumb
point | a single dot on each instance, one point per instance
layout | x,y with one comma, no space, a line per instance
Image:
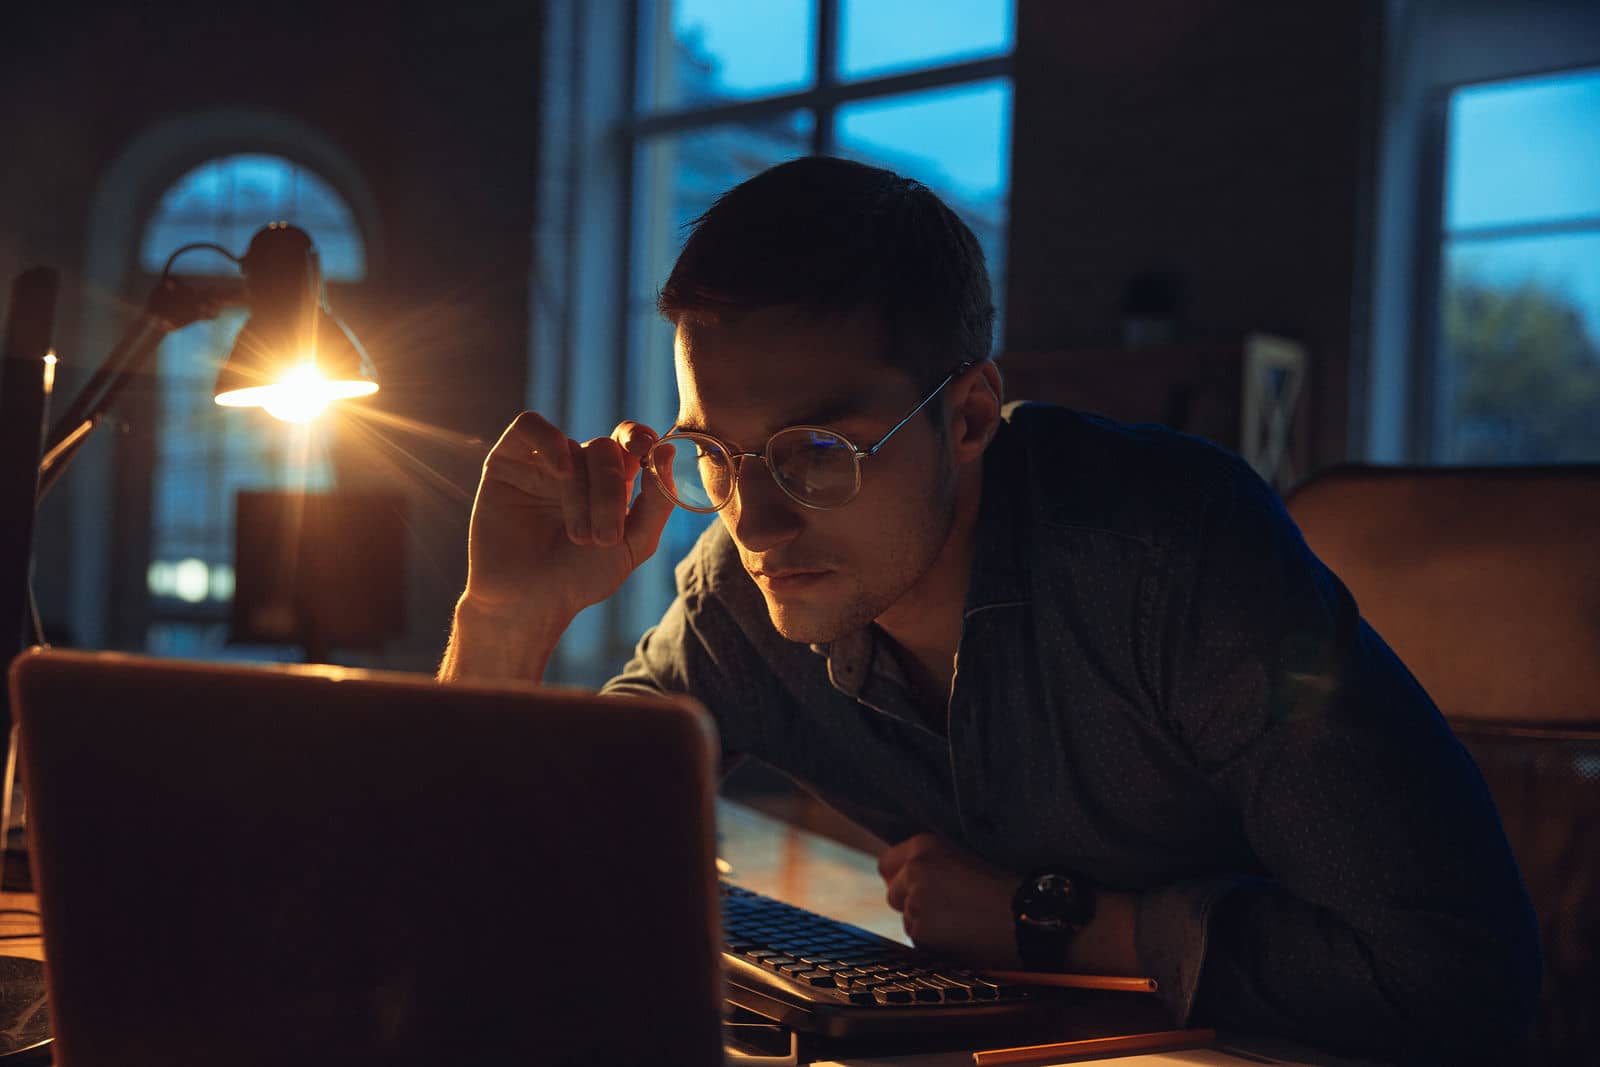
647,517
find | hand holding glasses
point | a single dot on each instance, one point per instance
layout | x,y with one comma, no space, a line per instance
553,529
816,467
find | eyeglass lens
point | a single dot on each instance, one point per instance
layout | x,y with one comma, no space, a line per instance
814,466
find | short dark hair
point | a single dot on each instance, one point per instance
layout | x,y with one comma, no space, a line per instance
833,236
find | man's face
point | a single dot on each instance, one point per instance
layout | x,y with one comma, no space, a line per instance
823,573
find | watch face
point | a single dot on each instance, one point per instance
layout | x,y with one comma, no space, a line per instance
1052,901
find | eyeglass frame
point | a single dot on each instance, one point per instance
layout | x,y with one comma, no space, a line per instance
856,454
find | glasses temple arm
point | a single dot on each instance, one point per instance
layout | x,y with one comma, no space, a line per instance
948,378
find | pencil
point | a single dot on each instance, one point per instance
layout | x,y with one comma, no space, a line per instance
1076,981
1095,1046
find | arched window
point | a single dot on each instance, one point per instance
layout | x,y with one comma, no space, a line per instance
205,454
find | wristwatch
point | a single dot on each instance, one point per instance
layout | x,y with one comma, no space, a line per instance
1049,908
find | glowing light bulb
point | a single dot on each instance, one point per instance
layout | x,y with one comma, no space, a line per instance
300,395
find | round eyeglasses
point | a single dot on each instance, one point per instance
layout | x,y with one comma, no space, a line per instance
816,467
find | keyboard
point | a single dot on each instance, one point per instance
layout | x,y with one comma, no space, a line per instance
823,976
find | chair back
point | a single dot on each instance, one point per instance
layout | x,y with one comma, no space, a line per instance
1486,583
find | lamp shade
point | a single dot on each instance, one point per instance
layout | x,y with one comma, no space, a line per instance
292,357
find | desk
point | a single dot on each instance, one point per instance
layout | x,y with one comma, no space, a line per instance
12,924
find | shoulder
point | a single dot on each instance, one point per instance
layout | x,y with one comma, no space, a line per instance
1086,472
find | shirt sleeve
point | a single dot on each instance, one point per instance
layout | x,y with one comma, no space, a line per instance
697,650
1388,915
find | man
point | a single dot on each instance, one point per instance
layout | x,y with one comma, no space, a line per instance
1073,671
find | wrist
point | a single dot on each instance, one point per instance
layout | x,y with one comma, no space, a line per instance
1108,943
1049,910
493,643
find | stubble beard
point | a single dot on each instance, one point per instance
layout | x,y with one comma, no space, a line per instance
899,570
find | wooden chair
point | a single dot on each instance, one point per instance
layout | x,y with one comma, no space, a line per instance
1486,582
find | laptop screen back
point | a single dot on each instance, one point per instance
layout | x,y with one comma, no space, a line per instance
310,865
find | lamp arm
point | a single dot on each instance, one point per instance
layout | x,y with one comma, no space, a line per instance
172,304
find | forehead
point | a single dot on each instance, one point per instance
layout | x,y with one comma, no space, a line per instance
774,367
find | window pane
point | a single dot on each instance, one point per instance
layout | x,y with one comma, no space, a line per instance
956,141
1524,151
698,52
261,185
227,200
1519,373
882,36
677,178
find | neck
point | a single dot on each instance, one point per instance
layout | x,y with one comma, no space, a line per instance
925,623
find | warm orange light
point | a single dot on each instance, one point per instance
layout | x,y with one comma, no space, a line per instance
300,395
49,372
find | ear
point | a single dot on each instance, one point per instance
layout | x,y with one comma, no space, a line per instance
973,415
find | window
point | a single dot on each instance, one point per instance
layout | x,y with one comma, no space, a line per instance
1517,354
204,454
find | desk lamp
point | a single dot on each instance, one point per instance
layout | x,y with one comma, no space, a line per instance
292,358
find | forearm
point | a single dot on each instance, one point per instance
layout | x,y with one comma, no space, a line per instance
488,647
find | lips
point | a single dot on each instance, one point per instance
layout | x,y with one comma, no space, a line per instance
790,579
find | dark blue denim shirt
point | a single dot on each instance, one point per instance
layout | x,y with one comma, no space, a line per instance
1159,686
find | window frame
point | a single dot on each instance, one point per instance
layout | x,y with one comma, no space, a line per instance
1427,48
1432,236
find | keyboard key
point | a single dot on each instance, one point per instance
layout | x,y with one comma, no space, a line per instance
894,994
954,992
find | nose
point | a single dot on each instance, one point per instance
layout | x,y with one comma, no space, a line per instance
761,516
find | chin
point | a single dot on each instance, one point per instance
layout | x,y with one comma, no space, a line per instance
806,626
814,623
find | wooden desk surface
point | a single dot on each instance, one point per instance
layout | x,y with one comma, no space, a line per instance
805,869
13,924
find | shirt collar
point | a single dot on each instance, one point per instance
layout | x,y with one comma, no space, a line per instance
999,577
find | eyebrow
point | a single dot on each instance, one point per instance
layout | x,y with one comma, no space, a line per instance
833,409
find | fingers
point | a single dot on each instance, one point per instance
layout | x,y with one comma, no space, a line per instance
646,519
891,859
898,865
635,438
575,497
899,889
604,472
593,480
608,489
530,439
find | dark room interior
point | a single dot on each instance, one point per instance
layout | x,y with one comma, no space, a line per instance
1356,244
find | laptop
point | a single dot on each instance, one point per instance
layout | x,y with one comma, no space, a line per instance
307,865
